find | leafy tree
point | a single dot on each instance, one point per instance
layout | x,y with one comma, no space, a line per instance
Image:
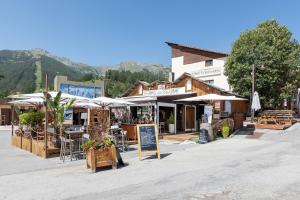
118,81
1,76
271,45
59,109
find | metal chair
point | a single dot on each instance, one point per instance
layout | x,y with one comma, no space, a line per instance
66,148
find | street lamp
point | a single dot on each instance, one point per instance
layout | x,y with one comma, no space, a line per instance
253,88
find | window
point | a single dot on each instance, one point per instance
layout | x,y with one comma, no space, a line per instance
208,63
211,82
140,89
188,85
161,87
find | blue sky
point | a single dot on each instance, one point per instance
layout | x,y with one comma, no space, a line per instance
108,32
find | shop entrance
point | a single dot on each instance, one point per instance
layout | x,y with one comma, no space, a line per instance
190,118
164,113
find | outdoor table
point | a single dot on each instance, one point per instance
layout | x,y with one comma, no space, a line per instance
74,136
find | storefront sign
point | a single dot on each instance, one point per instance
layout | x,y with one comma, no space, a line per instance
164,92
211,71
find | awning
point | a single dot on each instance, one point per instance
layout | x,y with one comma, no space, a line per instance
212,97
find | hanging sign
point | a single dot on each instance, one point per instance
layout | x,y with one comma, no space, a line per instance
148,139
210,71
164,92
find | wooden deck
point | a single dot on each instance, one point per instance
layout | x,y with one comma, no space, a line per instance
180,136
35,147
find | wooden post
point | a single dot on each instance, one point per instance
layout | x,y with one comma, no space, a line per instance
46,116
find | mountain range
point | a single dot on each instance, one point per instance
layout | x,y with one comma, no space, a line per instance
24,70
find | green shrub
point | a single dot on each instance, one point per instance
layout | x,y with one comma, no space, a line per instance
225,130
31,118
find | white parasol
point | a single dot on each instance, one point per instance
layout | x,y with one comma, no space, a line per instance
31,101
255,102
106,101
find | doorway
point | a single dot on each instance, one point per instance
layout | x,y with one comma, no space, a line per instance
190,118
163,116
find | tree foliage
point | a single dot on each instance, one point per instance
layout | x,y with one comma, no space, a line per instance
118,81
59,109
272,46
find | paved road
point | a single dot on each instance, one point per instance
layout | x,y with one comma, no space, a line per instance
236,168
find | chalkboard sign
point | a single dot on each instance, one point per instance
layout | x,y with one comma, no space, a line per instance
148,139
203,136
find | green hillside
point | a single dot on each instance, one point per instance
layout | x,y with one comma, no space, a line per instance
19,69
24,72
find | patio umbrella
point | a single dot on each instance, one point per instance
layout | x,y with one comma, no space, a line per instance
31,101
85,105
298,99
212,97
106,101
64,96
255,102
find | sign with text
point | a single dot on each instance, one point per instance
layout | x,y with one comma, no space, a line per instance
209,71
148,139
164,92
81,90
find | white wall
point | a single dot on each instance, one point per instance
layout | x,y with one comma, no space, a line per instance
220,80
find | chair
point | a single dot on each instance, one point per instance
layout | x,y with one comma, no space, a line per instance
66,147
39,134
3,120
162,125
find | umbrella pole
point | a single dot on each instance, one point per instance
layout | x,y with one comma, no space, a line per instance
46,116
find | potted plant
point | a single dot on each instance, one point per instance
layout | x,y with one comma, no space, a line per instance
100,153
225,129
171,123
30,119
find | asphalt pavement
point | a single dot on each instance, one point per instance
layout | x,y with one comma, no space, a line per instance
242,167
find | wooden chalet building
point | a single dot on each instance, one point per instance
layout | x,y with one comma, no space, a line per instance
160,99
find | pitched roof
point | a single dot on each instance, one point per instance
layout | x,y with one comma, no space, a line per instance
209,85
221,54
133,86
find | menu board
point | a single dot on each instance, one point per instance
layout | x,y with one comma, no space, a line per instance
148,139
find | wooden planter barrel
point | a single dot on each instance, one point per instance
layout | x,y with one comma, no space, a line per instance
101,158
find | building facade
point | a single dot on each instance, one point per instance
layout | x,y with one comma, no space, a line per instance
163,98
203,64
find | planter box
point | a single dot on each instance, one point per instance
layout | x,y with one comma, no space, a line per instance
16,141
27,144
38,148
101,158
171,128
